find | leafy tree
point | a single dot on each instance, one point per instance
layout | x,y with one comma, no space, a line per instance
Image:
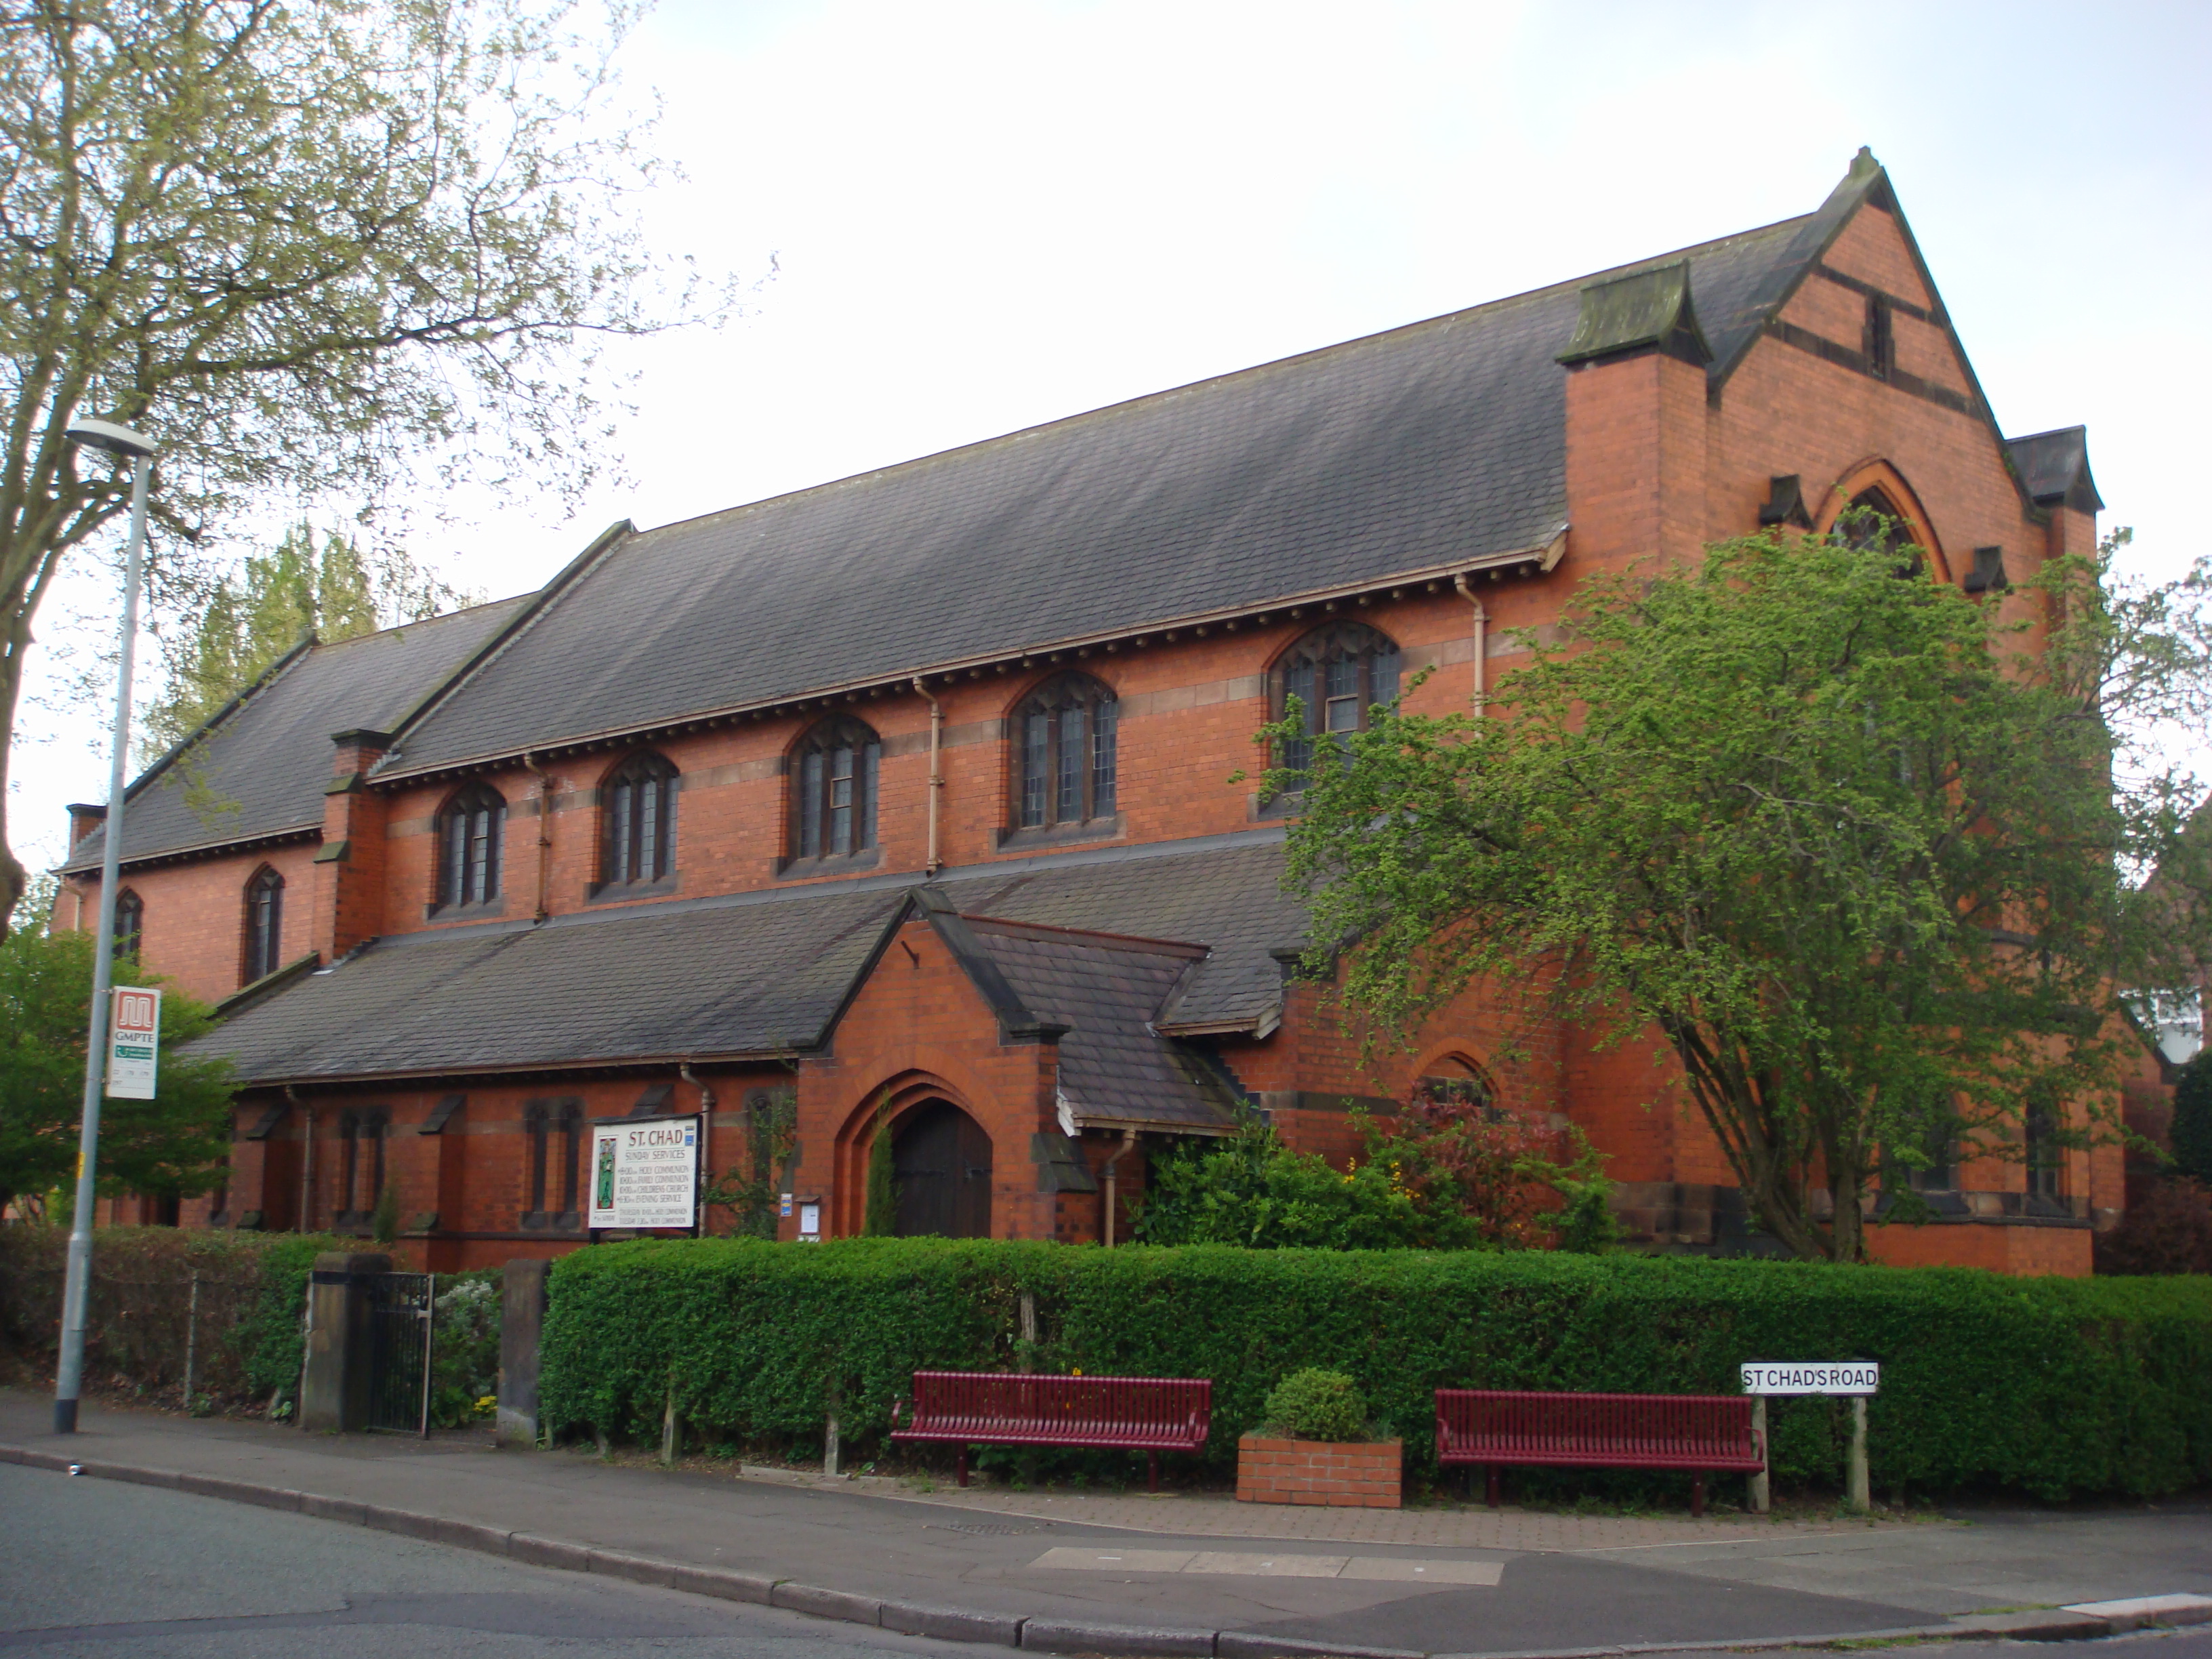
248,621
1860,849
177,1144
314,251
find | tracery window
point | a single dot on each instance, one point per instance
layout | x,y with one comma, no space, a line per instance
130,923
471,827
1873,521
1066,732
1338,674
264,923
638,815
834,790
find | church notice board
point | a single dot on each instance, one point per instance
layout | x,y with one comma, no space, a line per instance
645,1173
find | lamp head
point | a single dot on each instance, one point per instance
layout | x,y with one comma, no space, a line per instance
115,440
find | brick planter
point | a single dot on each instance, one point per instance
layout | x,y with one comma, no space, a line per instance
1358,1475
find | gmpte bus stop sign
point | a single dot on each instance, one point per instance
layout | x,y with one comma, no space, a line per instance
1855,1378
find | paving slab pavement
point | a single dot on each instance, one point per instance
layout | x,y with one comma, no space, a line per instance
1432,1581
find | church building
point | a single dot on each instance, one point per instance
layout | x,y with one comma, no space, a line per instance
911,805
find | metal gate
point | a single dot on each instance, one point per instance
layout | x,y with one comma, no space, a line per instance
402,1311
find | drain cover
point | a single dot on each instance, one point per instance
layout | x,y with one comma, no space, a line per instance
986,1531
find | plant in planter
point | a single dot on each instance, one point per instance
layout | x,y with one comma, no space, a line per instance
1317,1448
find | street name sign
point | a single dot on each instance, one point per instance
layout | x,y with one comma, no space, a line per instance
134,1042
645,1174
1852,1378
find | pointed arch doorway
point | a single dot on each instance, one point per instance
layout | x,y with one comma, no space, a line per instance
941,1160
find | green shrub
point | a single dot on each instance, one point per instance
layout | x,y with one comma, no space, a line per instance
1317,1405
2047,1386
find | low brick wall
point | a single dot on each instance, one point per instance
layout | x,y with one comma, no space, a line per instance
1361,1474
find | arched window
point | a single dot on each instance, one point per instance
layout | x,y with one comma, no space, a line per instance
264,924
1337,674
1873,521
1456,1080
637,806
1064,732
130,923
471,828
833,797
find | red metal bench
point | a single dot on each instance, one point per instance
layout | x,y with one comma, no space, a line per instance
1150,1414
1704,1433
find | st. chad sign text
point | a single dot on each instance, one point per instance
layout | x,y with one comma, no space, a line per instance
645,1174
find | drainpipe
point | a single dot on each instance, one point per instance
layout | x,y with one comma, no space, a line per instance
1481,642
936,769
544,829
307,1159
1128,1142
706,1134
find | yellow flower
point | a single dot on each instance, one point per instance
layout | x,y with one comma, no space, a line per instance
1076,1372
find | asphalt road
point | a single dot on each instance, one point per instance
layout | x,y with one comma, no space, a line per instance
96,1568
100,1568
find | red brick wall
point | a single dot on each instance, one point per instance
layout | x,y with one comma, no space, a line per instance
195,922
919,1030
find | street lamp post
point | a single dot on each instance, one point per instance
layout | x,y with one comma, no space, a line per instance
68,1377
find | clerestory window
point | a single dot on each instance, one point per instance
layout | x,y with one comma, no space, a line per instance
264,924
833,803
1067,733
130,923
637,808
471,828
1339,675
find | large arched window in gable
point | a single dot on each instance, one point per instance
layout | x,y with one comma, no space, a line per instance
264,924
638,816
471,828
1338,674
1066,738
1880,511
130,923
833,797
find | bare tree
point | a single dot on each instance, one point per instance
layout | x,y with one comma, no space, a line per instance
318,252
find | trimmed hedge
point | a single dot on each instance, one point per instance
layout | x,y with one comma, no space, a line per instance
2049,1386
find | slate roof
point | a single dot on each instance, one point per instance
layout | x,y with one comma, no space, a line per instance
755,973
1115,1066
258,769
1403,451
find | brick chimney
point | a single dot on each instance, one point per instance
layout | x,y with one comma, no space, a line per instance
1635,422
350,868
85,816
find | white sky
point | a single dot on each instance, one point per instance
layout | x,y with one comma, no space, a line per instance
985,215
